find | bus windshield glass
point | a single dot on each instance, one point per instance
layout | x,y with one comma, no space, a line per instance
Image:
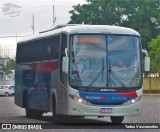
105,61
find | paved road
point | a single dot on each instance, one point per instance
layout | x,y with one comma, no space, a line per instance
10,113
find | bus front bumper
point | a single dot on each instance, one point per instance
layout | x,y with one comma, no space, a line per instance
78,109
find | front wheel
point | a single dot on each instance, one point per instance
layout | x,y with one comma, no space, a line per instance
117,119
57,118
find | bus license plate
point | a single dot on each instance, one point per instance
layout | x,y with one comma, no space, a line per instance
106,110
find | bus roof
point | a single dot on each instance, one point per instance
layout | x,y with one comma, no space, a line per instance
86,29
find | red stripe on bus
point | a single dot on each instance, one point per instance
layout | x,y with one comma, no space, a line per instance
133,94
44,67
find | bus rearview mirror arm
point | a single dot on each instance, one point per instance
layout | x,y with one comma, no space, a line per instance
66,52
65,62
147,64
146,61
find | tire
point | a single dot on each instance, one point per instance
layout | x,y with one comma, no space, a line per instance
56,117
38,114
76,117
54,114
6,94
117,119
29,113
33,113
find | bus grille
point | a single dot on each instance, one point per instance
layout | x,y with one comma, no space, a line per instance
104,103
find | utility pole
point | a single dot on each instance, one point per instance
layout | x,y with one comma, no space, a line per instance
54,18
32,26
16,37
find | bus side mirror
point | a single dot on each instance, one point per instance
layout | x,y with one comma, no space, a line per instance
65,64
147,64
66,52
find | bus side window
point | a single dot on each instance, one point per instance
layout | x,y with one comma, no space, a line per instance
37,51
18,54
63,76
31,48
24,54
56,47
52,48
48,49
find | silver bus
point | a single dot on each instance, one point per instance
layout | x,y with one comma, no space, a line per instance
80,70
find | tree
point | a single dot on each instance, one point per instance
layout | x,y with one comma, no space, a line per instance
10,65
2,69
7,69
96,12
154,53
141,15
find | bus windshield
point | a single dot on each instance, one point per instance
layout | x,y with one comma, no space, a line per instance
105,61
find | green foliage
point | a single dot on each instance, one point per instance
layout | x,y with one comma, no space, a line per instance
97,12
154,53
10,65
2,69
141,15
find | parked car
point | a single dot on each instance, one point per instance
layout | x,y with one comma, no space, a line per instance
6,90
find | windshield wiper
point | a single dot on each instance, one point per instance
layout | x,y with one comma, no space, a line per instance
114,74
98,74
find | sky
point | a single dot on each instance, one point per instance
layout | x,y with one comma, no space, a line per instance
17,20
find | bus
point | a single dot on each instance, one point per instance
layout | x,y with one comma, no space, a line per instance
108,83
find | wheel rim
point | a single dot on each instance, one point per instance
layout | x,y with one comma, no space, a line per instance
6,94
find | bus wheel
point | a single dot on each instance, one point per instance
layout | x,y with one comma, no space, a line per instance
117,119
77,117
33,113
55,115
29,113
38,114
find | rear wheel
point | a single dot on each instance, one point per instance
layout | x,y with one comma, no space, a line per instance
33,113
117,119
6,94
38,114
29,113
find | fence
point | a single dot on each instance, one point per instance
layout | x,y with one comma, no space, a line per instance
151,83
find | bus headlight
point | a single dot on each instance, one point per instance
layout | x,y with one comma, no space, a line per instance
132,101
78,99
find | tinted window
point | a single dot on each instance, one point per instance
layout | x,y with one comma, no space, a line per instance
45,49
56,47
12,87
18,55
5,86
